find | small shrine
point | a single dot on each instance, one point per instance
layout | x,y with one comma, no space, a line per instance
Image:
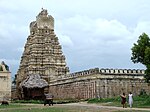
5,81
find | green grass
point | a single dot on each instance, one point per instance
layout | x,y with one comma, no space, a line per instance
142,101
36,110
12,105
138,101
17,107
104,100
29,101
41,101
57,108
20,106
131,111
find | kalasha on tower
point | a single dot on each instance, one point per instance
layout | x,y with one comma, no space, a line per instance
42,59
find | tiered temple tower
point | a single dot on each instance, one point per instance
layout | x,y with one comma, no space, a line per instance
42,52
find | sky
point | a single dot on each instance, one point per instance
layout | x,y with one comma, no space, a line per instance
93,33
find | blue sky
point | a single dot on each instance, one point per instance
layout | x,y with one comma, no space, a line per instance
93,33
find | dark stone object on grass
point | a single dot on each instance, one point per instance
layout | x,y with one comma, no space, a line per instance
4,103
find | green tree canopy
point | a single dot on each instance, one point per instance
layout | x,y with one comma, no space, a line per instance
141,53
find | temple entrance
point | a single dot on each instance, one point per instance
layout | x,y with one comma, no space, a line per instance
33,93
32,88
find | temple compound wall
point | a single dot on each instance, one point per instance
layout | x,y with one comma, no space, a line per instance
99,83
5,82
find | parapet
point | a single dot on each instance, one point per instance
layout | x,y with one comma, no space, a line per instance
123,72
85,72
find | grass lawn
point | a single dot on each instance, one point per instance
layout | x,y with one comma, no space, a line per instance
131,111
138,101
12,106
56,108
27,109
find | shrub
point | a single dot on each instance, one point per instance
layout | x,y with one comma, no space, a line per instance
103,100
143,92
28,101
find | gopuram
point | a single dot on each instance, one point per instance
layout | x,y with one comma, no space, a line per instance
43,68
42,59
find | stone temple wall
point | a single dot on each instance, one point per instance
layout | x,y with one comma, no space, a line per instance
99,83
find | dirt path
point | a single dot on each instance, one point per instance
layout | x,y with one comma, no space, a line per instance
85,107
105,108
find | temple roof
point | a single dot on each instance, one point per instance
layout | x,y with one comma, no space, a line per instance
34,81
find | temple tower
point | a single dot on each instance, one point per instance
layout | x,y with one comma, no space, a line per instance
42,52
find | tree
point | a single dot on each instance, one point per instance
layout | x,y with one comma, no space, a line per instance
141,53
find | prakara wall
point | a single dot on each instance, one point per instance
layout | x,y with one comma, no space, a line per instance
99,83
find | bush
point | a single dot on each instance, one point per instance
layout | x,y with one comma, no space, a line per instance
66,101
41,101
143,92
147,100
138,101
28,101
104,100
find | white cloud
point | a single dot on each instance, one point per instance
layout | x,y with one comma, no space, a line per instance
142,26
21,49
99,41
65,40
87,32
93,32
4,31
111,28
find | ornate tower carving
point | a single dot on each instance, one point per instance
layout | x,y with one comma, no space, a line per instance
42,52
